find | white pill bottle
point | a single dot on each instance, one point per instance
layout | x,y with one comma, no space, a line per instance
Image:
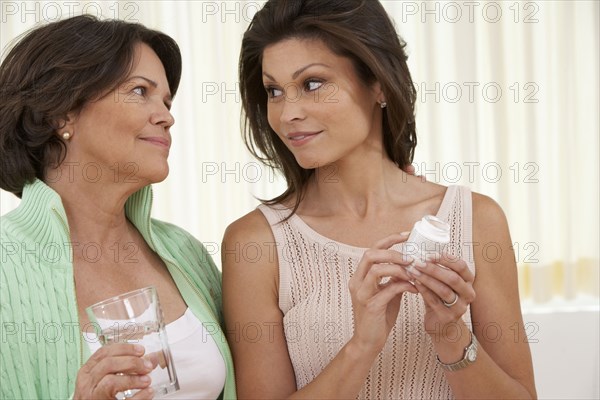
429,236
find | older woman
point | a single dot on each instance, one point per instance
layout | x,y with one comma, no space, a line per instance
84,131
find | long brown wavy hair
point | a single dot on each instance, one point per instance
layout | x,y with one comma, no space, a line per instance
360,30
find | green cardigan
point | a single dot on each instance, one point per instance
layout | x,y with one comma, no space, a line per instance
41,347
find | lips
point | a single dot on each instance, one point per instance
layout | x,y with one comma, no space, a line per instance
159,141
300,138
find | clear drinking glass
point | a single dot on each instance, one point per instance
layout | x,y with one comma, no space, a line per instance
136,317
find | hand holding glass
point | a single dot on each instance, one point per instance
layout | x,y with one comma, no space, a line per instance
136,317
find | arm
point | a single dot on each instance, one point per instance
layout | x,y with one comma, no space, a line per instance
503,368
19,372
250,292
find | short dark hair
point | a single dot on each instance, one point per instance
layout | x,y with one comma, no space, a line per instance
358,29
56,69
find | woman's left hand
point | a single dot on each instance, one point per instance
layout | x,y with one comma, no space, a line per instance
446,284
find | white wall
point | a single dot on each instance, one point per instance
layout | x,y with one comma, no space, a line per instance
564,347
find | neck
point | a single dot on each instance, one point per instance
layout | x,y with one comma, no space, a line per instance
95,210
359,187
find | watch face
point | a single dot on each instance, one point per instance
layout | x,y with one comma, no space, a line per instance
471,355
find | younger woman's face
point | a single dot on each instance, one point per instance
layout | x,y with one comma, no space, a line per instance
317,104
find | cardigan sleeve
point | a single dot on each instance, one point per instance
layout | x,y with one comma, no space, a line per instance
16,380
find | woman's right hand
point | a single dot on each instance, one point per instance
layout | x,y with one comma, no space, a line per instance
376,306
113,369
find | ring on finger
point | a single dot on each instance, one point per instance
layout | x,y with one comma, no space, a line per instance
384,280
453,302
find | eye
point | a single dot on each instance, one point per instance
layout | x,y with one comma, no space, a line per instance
273,92
139,90
312,84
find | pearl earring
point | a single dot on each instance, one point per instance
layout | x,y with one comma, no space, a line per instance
66,135
383,104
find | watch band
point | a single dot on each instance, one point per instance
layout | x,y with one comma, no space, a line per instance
469,357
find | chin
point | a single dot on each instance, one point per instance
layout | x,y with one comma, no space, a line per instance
309,162
161,177
157,175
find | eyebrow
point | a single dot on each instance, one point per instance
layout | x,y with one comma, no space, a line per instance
299,71
151,82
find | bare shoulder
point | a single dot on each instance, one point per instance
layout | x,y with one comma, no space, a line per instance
249,251
485,206
489,219
250,227
248,223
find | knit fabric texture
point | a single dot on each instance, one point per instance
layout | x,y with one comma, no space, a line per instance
318,319
42,347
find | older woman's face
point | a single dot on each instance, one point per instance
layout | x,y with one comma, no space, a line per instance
125,134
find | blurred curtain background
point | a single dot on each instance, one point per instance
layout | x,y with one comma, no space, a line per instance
508,105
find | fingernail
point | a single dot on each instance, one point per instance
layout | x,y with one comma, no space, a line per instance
139,348
405,233
432,257
147,364
409,259
420,264
145,379
414,272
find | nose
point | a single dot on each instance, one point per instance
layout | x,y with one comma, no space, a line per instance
292,107
162,116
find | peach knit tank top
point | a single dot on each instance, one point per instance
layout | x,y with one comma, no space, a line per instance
318,318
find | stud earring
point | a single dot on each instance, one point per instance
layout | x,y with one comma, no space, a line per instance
383,104
66,135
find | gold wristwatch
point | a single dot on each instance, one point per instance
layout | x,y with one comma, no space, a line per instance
469,357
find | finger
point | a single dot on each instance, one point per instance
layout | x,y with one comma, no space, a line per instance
112,384
391,292
430,297
365,289
123,364
377,264
157,359
443,282
440,291
147,393
435,277
391,240
112,350
454,263
379,256
378,271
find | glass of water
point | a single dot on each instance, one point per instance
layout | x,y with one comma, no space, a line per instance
136,317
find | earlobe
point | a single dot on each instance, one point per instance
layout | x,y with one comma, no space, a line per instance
379,95
64,128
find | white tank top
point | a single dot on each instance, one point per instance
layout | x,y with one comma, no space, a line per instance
198,362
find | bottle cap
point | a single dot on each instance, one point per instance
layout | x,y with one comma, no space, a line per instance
433,229
429,235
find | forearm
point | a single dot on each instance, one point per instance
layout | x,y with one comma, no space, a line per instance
486,380
483,379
